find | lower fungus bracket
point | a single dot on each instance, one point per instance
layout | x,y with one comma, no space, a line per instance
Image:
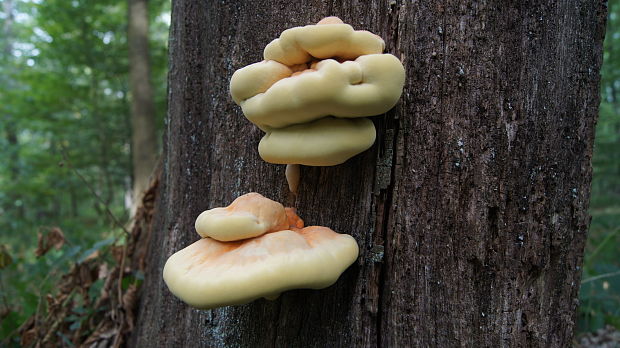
211,273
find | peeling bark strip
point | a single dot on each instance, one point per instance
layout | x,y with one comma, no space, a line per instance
470,212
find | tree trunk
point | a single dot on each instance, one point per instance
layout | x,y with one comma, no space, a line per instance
470,210
10,128
143,138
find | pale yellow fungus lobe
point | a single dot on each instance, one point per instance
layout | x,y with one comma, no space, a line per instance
330,20
292,174
367,86
250,215
211,273
247,82
328,39
325,142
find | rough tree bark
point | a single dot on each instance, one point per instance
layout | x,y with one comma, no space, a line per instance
143,138
470,210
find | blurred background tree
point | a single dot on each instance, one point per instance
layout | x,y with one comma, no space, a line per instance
66,147
143,123
600,289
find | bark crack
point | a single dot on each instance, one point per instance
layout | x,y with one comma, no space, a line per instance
390,144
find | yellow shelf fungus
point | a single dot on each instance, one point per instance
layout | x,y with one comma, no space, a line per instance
211,273
315,83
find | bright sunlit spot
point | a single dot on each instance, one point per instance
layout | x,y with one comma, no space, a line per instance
42,34
164,18
107,37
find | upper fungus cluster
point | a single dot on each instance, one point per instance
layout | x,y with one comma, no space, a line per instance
313,89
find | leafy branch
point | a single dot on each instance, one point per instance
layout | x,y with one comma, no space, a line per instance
67,162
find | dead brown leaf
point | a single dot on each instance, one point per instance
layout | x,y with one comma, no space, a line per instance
5,257
117,253
102,337
130,301
53,238
95,254
28,332
4,312
86,275
28,337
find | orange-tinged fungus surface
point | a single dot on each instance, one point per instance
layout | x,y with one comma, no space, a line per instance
211,273
247,216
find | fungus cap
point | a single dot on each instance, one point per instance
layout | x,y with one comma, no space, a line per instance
368,86
328,39
247,82
247,216
209,273
325,142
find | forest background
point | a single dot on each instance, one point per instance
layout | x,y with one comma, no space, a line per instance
66,148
